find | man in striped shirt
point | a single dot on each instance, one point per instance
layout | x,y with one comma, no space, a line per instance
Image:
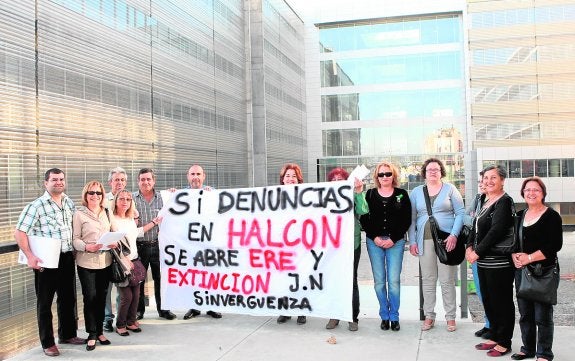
149,203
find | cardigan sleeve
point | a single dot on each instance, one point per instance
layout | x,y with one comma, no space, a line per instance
406,214
553,235
497,223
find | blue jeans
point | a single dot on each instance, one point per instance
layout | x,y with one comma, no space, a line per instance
478,288
386,267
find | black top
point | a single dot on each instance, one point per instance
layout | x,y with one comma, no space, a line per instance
545,235
388,216
492,226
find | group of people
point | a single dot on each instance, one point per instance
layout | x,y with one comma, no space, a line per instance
386,213
493,249
78,229
504,242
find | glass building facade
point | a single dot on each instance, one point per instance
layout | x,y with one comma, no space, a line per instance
522,61
88,85
393,88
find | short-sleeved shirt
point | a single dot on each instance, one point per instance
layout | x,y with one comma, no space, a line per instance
148,211
44,218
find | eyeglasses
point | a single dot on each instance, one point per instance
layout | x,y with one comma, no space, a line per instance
531,190
94,192
385,174
433,170
121,199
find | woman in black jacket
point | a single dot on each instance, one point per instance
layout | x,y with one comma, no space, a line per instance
388,220
542,233
494,225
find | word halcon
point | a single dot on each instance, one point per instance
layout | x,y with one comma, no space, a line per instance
234,282
269,302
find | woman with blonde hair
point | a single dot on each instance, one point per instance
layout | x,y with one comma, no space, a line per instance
385,227
123,220
89,223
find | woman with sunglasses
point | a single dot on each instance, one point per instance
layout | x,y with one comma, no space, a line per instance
385,227
448,209
89,223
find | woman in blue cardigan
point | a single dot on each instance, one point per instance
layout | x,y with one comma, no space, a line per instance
448,209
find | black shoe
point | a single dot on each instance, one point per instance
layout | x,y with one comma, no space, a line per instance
168,315
108,327
191,314
395,326
283,319
214,314
384,325
301,320
521,356
481,332
104,342
139,315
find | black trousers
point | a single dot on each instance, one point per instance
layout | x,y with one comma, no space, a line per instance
355,296
94,290
536,323
149,254
62,282
496,286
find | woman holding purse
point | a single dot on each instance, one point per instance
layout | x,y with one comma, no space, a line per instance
448,209
494,224
129,292
542,233
89,223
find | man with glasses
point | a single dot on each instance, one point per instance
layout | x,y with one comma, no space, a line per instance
117,179
196,178
148,203
50,216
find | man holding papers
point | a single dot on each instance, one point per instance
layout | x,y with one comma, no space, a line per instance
50,216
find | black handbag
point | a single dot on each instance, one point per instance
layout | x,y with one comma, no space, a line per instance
456,255
538,283
509,243
119,270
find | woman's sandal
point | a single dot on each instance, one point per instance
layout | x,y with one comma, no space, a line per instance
451,326
427,324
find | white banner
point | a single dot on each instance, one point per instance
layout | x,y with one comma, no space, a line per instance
279,250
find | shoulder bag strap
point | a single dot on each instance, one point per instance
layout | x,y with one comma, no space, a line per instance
427,201
520,230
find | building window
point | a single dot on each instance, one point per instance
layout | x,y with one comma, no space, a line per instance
554,167
567,167
527,168
541,167
514,169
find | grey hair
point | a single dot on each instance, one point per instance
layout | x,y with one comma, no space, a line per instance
116,170
501,171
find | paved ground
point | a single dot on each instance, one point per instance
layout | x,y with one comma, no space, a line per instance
242,338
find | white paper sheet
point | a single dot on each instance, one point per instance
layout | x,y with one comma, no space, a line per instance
360,172
110,238
47,249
